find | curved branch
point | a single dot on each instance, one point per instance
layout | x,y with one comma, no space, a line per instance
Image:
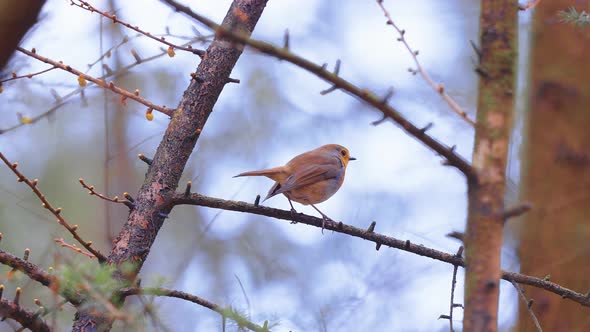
225,312
368,97
370,235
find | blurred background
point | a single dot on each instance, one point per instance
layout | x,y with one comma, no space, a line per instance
291,275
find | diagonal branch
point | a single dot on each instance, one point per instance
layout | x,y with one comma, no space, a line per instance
145,220
439,88
26,318
102,83
368,97
20,177
369,235
36,273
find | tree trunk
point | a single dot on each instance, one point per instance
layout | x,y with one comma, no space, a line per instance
555,235
483,238
150,206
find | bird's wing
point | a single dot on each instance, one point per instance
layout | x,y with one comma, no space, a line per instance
308,175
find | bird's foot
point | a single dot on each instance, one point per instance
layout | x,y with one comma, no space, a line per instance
324,219
293,213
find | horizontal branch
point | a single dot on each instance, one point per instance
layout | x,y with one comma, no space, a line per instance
225,312
320,71
370,235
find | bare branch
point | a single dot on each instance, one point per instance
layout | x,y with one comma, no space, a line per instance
115,199
35,273
378,239
103,84
26,318
55,211
86,6
528,304
439,88
321,72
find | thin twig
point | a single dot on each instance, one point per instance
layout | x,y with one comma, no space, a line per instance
110,86
31,75
528,305
225,312
453,284
86,6
115,199
55,211
439,88
64,244
62,100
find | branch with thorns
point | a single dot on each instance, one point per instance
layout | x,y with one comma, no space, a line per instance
452,158
86,6
55,211
82,78
439,88
180,198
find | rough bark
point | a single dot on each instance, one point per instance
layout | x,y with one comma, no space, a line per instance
139,232
483,238
556,177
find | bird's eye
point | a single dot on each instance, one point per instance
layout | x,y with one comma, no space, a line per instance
343,153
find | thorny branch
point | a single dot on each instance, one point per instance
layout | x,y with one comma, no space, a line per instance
453,305
452,158
379,239
110,86
439,88
55,211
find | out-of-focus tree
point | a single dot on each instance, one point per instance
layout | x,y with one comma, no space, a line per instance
556,176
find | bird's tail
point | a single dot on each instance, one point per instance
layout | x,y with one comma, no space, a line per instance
274,173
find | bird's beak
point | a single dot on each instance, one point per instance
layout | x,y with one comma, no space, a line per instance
352,158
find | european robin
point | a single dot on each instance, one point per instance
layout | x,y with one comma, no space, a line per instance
309,178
